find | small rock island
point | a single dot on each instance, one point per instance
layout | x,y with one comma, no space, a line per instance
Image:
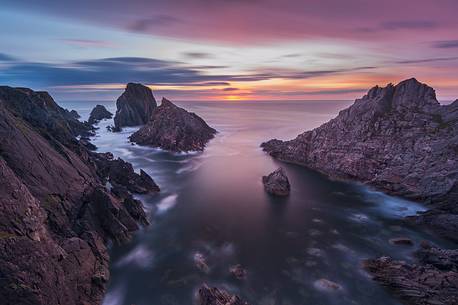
175,129
134,106
277,183
98,113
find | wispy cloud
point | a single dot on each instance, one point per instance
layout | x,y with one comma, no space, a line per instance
427,60
446,44
88,43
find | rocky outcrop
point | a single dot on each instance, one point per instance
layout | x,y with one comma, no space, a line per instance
173,128
134,106
214,296
432,280
277,183
98,113
56,215
398,139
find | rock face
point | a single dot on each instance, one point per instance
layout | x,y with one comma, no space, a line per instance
56,215
432,280
134,106
398,139
277,183
215,296
173,128
99,113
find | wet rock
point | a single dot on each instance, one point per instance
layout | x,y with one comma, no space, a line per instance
238,272
134,106
432,280
214,296
398,139
86,142
327,285
277,183
121,173
98,113
201,262
56,215
401,241
175,129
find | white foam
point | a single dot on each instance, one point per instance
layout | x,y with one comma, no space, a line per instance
139,256
167,203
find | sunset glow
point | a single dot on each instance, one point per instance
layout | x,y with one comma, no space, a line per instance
229,50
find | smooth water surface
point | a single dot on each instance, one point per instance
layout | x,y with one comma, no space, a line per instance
213,205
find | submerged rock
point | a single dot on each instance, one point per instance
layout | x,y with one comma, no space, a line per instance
56,215
238,272
175,129
99,113
401,241
398,139
277,183
432,280
215,296
327,285
201,262
134,106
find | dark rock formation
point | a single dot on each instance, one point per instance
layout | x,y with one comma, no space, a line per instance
277,183
121,173
398,139
134,106
56,215
432,280
99,113
173,128
215,296
401,241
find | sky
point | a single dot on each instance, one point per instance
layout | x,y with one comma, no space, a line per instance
228,49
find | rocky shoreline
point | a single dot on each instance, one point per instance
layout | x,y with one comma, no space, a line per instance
400,140
57,213
397,139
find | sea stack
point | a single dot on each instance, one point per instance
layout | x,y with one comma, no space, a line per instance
398,139
98,113
175,129
277,183
134,106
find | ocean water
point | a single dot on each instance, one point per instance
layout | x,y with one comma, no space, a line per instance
212,205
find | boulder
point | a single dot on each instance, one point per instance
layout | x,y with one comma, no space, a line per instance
238,272
401,241
214,296
134,106
98,113
277,183
175,129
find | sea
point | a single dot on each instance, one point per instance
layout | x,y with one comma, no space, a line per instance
212,207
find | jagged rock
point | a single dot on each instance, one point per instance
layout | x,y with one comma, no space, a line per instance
99,113
433,280
56,216
173,128
119,172
75,114
134,106
215,296
86,142
398,139
277,183
238,272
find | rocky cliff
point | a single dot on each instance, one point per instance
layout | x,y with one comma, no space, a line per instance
134,106
173,128
56,215
398,139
